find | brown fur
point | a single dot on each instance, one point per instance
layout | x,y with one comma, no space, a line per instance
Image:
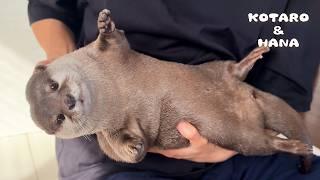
136,101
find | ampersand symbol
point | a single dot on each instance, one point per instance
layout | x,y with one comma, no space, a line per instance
277,30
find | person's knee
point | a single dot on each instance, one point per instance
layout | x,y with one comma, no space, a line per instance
135,176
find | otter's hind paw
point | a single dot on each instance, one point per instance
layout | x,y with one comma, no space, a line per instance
105,24
135,147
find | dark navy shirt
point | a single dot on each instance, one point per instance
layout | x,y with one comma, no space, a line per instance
194,32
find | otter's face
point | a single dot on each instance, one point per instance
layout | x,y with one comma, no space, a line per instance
60,99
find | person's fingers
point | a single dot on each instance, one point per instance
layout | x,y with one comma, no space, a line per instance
221,154
199,150
188,131
155,150
207,153
45,62
181,153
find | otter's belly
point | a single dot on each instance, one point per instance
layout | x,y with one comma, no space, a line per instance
218,116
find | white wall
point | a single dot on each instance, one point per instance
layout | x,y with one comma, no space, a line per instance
18,54
25,153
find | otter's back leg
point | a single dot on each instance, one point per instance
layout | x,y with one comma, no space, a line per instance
261,142
241,69
280,117
108,33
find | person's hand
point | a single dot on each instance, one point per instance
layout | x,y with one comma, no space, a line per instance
45,62
200,150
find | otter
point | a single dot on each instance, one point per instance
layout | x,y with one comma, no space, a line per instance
132,102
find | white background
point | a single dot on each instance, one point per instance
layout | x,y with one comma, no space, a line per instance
19,52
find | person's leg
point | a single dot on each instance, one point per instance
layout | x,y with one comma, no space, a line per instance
136,176
279,166
82,159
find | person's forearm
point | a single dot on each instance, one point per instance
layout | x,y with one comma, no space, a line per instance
55,38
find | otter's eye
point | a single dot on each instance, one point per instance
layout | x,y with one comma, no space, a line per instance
60,118
54,85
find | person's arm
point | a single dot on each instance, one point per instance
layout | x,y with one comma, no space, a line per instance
54,23
55,38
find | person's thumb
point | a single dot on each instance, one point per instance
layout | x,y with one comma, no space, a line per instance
45,62
188,131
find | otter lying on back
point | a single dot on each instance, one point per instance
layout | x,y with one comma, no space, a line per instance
133,101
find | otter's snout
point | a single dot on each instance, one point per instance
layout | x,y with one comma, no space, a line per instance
70,101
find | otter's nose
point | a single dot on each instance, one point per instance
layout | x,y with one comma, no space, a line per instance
70,101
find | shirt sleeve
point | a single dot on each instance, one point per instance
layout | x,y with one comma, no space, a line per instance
63,10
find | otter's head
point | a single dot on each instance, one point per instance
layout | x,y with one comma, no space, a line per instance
60,98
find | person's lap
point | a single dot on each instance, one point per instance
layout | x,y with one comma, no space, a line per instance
280,167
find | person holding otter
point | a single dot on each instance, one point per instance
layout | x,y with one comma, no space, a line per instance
190,35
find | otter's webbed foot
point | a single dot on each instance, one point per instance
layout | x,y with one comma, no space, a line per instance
105,24
123,146
135,147
241,69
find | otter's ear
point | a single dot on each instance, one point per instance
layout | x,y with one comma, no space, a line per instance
40,68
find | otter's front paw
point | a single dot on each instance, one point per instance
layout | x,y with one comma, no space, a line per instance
105,24
135,147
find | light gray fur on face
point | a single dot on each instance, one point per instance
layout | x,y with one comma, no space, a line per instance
46,104
68,71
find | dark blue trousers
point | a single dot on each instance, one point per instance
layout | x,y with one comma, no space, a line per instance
276,167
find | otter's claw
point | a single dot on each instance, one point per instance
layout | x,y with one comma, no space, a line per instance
135,147
105,24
